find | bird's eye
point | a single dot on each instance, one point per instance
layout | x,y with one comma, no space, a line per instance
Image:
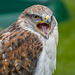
35,16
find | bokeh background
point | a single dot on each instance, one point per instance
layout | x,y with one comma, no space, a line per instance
64,11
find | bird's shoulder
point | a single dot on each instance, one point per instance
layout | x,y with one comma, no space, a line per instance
19,49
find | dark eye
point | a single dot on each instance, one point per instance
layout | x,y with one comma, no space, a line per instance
35,16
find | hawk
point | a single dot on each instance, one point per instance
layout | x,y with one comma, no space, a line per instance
28,46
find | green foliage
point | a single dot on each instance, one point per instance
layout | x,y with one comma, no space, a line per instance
66,47
1,28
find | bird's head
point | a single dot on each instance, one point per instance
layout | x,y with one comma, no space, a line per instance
38,18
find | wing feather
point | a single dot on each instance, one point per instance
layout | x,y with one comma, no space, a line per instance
19,51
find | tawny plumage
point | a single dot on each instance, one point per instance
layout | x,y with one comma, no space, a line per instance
28,47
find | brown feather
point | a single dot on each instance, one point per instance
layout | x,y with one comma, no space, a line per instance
19,51
19,48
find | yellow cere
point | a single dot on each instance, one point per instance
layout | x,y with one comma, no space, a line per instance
46,17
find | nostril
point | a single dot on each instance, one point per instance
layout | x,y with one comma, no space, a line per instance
45,18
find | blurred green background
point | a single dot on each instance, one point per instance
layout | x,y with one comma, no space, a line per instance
64,11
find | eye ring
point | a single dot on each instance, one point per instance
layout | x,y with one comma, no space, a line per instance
35,16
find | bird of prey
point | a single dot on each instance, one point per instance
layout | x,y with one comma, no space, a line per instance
28,46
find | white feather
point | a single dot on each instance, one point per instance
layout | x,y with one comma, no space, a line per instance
47,59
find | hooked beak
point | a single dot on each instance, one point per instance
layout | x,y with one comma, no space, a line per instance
44,27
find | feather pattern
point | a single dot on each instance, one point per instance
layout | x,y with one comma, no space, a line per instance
24,50
18,49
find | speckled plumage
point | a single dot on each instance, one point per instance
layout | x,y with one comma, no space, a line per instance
19,48
22,47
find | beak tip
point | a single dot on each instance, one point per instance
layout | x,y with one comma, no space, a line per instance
47,37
